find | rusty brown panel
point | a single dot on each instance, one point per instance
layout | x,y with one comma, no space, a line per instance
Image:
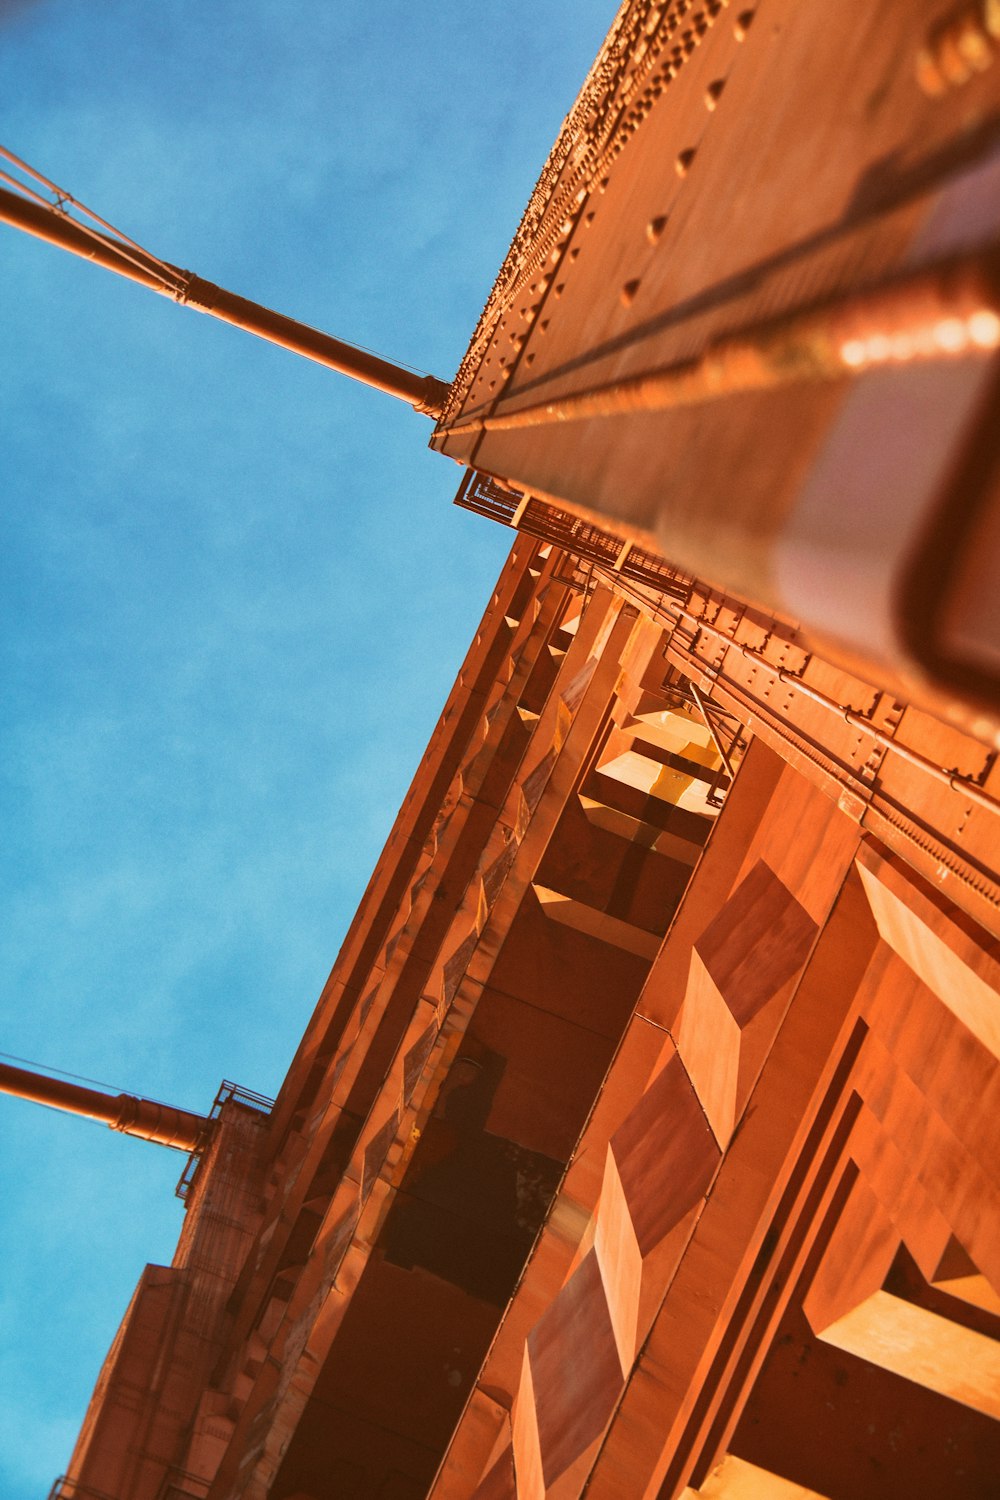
759,171
646,807
666,1155
964,830
415,1059
567,973
495,875
689,1366
830,1421
574,1369
404,847
944,744
796,81
738,222
456,965
937,1054
500,1483
376,1151
105,1457
746,806
760,938
390,1390
552,1070
606,871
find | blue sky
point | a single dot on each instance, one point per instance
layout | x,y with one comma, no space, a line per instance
234,590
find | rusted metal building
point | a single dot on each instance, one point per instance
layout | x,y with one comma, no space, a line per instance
644,1139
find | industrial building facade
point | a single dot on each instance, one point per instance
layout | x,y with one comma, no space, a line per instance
644,1140
647,1121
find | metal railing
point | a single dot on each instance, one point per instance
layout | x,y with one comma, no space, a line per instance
229,1092
486,496
67,1488
178,1484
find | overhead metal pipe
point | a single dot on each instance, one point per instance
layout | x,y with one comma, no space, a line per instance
425,393
129,1113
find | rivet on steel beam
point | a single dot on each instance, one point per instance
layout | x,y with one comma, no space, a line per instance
714,92
574,252
558,289
683,162
743,23
628,292
655,228
949,311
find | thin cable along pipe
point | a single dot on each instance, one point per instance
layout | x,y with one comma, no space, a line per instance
425,393
129,1113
